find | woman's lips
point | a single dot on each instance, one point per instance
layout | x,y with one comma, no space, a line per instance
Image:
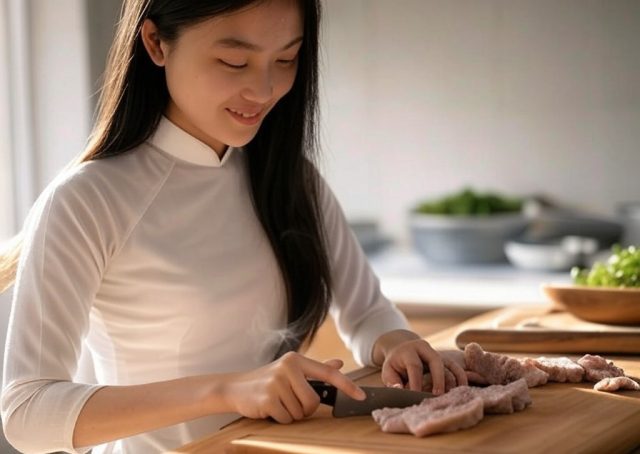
246,119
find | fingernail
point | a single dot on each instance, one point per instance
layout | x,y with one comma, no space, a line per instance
362,395
397,385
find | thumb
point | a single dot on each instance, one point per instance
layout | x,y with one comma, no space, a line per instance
335,363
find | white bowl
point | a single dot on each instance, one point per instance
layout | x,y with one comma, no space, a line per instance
559,255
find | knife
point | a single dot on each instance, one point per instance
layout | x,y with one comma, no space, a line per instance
377,397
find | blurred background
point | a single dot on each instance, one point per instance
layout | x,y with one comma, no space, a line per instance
420,98
525,97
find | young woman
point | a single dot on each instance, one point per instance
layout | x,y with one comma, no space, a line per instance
193,247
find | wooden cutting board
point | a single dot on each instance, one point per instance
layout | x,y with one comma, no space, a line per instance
563,418
547,330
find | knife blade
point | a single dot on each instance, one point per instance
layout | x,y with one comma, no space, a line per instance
377,397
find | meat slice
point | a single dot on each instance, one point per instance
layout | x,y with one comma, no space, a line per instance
495,400
460,408
611,384
455,410
491,366
390,420
559,369
597,368
505,398
499,369
520,397
532,375
446,419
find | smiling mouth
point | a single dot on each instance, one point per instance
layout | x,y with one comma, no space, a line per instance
246,118
244,115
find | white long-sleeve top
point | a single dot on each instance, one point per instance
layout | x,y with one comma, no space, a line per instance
156,259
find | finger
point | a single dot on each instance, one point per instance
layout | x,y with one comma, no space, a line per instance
335,363
332,376
457,371
427,382
474,377
436,367
456,356
450,381
390,377
308,398
279,413
290,402
415,372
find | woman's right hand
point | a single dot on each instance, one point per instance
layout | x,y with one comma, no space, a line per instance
280,389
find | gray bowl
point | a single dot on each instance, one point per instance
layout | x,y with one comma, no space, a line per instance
465,239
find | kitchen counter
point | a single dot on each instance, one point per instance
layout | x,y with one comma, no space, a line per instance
563,418
413,284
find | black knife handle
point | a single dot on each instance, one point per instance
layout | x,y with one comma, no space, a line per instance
326,391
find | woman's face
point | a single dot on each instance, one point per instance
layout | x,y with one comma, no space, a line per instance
225,74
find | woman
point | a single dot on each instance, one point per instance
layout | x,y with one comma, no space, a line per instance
193,247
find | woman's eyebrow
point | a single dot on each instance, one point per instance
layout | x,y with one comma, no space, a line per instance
235,43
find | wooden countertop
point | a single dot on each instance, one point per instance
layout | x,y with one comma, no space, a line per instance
563,418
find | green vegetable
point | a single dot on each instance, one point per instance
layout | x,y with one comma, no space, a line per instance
470,203
621,270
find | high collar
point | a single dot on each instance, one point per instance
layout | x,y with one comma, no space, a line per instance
171,139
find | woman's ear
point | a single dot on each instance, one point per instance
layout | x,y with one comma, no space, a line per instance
152,42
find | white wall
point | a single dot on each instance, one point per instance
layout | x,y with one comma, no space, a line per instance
60,64
529,96
6,179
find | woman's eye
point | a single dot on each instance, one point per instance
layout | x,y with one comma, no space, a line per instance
287,62
230,65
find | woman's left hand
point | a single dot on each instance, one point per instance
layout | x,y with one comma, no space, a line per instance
406,358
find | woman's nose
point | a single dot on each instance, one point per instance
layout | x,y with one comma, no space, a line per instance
260,88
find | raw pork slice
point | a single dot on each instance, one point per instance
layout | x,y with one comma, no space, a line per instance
390,420
597,368
559,369
455,410
612,384
505,398
499,369
532,375
460,408
424,422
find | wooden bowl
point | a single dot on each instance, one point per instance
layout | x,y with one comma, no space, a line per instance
618,306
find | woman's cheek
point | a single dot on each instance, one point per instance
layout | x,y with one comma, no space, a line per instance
285,81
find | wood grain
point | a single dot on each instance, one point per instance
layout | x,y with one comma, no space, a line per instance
598,304
547,330
551,341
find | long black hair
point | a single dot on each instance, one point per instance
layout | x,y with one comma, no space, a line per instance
281,157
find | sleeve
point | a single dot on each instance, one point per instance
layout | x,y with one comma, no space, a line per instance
360,311
64,253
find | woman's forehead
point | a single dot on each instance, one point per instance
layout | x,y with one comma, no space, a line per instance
266,26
